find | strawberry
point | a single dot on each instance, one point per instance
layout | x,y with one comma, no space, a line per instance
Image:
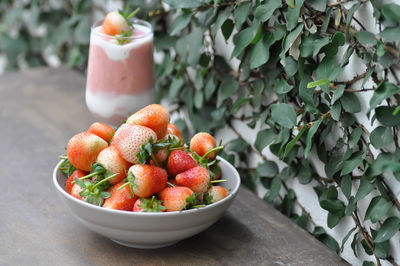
148,205
176,198
146,180
113,162
197,179
120,199
83,148
76,174
102,130
179,161
202,143
173,130
76,191
115,24
129,138
153,116
215,193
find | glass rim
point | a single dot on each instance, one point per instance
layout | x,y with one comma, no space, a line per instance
133,21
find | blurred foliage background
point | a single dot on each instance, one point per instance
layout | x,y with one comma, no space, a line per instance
282,78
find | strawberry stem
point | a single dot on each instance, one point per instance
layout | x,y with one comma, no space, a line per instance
105,179
170,184
210,151
218,181
198,206
124,185
89,175
154,159
63,157
132,14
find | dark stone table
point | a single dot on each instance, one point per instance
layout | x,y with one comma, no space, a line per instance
40,110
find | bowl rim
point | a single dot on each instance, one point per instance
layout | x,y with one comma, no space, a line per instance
231,195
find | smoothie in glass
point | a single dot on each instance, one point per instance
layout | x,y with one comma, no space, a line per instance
120,77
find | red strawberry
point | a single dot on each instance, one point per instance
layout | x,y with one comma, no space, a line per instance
201,143
146,180
173,130
216,193
129,138
76,174
153,116
179,161
113,162
114,24
83,148
102,130
197,179
174,198
120,198
148,205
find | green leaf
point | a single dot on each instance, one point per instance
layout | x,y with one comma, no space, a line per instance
363,190
377,208
180,23
347,237
273,192
281,86
305,173
183,4
334,206
355,137
324,70
349,17
334,164
338,93
384,91
198,99
390,227
240,14
239,103
391,12
267,169
210,88
310,135
290,145
336,110
264,12
291,66
260,52
227,28
264,137
381,136
317,83
228,87
312,44
366,38
385,116
222,16
243,39
291,37
330,242
283,114
174,88
333,219
293,13
350,102
345,185
238,145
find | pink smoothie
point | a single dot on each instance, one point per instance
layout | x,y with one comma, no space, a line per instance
120,78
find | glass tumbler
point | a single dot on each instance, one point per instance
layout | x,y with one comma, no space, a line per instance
120,76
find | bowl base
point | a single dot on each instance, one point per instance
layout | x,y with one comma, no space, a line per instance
144,246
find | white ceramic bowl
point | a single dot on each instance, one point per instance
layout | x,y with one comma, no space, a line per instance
148,230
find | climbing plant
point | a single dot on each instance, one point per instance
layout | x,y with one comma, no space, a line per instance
276,67
286,83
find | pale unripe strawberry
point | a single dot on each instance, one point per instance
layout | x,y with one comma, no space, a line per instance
102,130
112,161
115,24
83,148
217,193
129,138
173,130
174,198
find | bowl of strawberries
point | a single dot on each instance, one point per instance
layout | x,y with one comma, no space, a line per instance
140,185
